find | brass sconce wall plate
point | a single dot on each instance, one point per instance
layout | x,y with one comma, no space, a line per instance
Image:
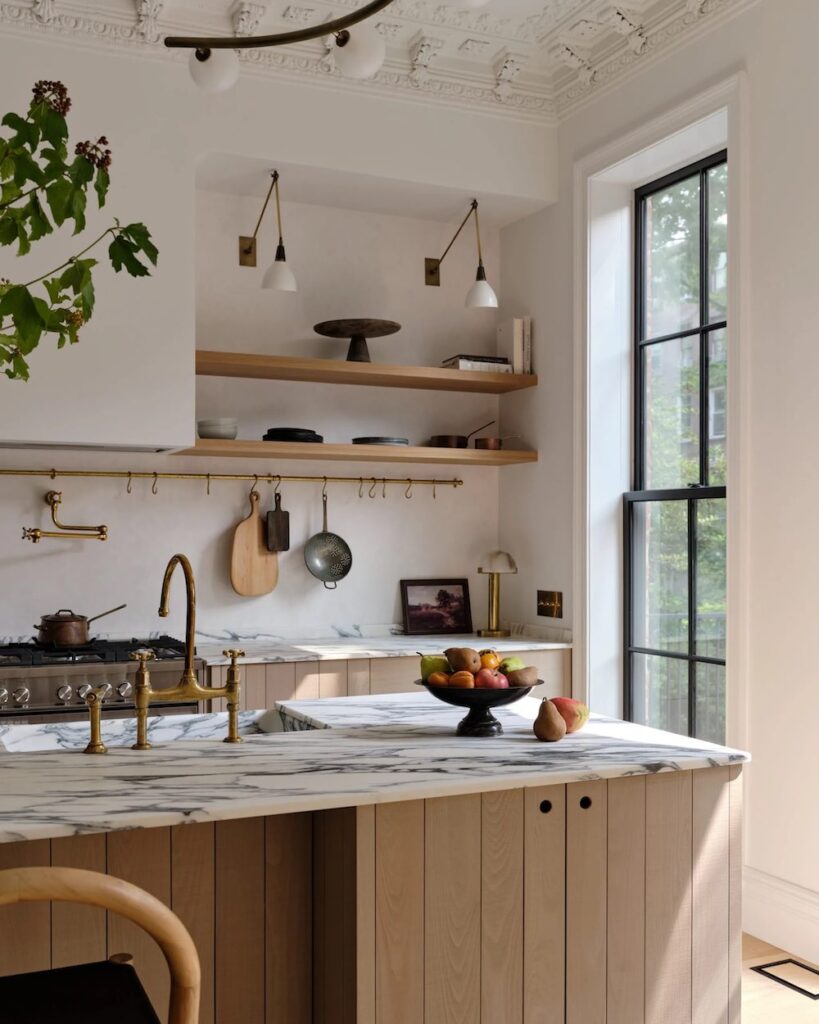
432,273
247,251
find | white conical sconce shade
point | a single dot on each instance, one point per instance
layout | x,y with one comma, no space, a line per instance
214,70
279,277
481,295
360,53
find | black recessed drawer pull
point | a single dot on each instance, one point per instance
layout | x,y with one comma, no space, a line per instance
585,802
545,806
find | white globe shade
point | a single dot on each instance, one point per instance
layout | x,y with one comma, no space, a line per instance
279,277
481,296
363,54
218,72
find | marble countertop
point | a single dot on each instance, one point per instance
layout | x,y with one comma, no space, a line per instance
403,748
264,651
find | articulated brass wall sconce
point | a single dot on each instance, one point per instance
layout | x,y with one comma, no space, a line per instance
63,532
278,277
481,294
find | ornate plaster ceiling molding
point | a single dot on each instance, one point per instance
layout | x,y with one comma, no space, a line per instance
537,61
246,17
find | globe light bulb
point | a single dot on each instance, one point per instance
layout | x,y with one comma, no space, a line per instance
278,276
214,70
481,295
360,53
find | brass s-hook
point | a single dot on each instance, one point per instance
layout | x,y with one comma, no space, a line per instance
371,491
408,491
155,484
324,488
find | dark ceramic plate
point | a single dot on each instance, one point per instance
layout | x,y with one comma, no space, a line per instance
480,721
380,440
292,434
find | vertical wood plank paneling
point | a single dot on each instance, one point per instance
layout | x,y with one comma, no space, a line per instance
393,675
280,682
142,856
502,907
586,865
626,901
544,948
735,895
79,934
217,679
332,678
399,913
668,898
308,686
710,896
358,678
192,898
365,915
453,915
334,908
240,921
25,930
553,667
289,919
254,688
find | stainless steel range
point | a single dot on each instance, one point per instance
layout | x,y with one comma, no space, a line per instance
38,681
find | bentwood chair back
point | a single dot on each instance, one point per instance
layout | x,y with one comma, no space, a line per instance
72,885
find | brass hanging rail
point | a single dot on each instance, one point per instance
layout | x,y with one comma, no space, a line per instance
270,478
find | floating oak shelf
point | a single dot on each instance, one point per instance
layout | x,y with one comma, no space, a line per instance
358,453
378,375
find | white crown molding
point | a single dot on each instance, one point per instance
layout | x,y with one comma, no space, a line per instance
539,68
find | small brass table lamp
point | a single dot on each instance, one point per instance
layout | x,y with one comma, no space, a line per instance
495,565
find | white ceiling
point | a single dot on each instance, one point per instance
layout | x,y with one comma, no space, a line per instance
530,59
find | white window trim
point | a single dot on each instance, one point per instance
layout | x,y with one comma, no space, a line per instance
604,688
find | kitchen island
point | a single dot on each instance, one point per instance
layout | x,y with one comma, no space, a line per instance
389,872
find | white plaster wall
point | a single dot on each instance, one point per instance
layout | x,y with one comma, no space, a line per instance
775,42
139,347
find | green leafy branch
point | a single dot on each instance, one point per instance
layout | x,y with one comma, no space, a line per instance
41,188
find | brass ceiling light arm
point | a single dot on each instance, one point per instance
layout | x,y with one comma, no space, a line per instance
335,27
432,267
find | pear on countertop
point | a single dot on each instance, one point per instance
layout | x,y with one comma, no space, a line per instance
549,726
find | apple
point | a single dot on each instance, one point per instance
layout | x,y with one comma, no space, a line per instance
489,679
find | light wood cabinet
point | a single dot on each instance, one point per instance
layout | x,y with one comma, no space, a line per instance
595,903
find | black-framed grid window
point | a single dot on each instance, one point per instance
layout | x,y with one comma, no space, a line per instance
674,519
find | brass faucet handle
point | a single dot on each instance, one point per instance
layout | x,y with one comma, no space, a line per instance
234,655
142,656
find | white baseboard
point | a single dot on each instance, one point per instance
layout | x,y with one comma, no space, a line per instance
779,912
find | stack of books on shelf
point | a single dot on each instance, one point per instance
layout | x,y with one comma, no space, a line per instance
487,364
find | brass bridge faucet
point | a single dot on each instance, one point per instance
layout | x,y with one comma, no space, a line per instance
188,687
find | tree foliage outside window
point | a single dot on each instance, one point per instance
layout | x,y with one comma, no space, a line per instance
677,540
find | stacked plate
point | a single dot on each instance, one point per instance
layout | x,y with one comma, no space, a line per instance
381,440
293,434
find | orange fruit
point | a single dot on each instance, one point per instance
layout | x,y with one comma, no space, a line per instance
438,679
490,660
464,680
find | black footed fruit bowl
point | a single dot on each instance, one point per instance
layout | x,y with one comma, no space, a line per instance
480,700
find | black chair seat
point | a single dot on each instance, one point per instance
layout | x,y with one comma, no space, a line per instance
103,993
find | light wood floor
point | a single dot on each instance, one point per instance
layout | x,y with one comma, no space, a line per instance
763,1000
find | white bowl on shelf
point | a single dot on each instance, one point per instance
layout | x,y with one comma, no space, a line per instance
223,429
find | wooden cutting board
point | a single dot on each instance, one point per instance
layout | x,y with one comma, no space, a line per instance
253,569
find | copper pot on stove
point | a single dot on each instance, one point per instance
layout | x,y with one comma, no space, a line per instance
67,629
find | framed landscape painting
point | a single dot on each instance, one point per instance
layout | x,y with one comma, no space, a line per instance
436,606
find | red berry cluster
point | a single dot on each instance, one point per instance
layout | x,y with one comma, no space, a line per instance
54,94
95,153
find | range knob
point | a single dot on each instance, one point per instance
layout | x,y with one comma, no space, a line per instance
22,695
65,693
4,697
125,690
83,690
104,691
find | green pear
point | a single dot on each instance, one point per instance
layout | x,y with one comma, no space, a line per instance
433,663
511,664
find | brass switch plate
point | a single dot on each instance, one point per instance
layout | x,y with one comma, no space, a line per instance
550,603
432,273
247,251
